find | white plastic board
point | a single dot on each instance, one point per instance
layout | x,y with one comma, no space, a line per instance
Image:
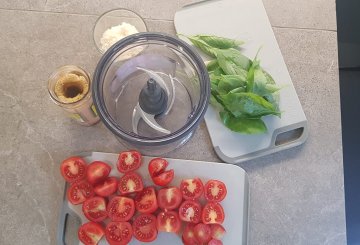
235,204
247,20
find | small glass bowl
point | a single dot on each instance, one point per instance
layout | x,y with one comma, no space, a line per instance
113,18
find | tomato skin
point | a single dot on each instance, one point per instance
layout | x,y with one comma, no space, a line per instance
79,191
73,169
188,237
168,221
215,242
164,178
130,183
157,172
213,208
145,201
169,198
191,189
90,233
190,211
118,233
128,161
217,231
120,208
94,209
215,191
144,228
97,171
106,187
202,232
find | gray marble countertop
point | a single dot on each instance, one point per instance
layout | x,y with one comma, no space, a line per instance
297,196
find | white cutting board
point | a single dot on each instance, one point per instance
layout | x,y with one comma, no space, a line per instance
247,20
235,204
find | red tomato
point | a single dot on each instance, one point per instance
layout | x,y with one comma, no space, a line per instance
107,187
97,171
169,198
202,233
128,161
90,233
144,228
130,183
188,236
79,192
118,233
215,191
94,209
157,172
73,169
145,201
191,189
213,213
215,242
217,231
190,211
168,222
120,208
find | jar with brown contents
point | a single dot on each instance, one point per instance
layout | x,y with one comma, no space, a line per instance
69,87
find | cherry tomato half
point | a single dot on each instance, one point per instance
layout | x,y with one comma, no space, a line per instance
191,189
90,233
120,208
145,201
130,183
169,198
128,161
94,209
106,187
79,191
213,213
168,221
190,211
215,191
158,173
118,233
144,228
97,171
73,169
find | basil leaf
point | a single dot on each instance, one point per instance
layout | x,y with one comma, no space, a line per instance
261,86
235,56
248,105
238,90
212,65
243,125
215,103
228,83
219,42
228,66
203,46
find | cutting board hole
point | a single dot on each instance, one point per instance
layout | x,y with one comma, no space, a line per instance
72,224
288,136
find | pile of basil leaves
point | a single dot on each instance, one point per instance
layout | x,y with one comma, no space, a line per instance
241,90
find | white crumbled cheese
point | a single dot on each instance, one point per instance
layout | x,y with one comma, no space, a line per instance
115,33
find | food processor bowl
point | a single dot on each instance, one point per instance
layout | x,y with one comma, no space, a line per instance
151,90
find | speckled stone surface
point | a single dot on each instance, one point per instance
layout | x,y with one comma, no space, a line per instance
297,195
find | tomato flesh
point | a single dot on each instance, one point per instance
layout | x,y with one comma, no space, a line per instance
168,221
164,178
118,233
188,237
90,233
144,228
217,231
120,208
215,191
190,211
107,187
160,177
145,201
128,161
202,232
215,242
213,213
191,189
94,209
169,198
79,192
97,171
73,169
130,183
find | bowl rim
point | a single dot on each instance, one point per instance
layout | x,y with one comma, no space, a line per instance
108,12
133,138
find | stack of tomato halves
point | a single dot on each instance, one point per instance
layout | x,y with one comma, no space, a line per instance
139,211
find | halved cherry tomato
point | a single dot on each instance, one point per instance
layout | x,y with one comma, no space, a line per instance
128,161
90,233
188,236
157,172
145,201
79,192
97,171
130,183
215,242
118,233
94,209
215,191
202,233
191,189
169,198
144,228
73,169
107,187
217,231
190,211
120,208
213,213
168,221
